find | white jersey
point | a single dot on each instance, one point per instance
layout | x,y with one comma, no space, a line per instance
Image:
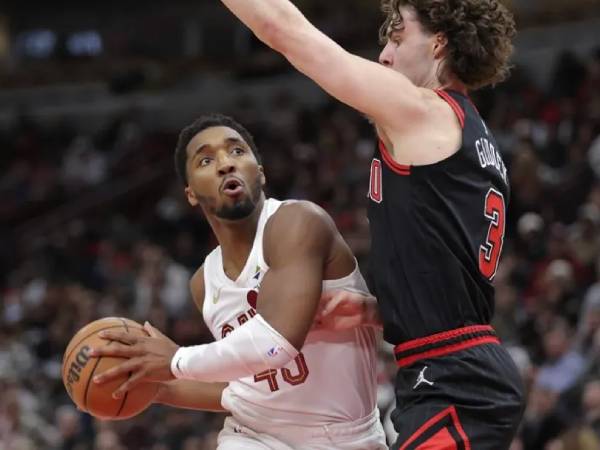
332,380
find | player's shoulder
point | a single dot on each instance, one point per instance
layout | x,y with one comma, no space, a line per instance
197,287
300,214
298,222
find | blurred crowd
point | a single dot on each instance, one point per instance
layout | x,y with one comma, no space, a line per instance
95,224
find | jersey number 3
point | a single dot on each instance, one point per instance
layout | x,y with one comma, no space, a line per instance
489,252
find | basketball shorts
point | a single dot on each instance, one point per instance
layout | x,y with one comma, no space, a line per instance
458,390
363,434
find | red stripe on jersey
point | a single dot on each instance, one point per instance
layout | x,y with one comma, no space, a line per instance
443,336
460,114
400,169
410,360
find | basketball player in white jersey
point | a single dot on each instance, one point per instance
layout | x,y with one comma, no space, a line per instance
288,387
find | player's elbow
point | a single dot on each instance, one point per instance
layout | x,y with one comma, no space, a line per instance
286,36
272,34
297,341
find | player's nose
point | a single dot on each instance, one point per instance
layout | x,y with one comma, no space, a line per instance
225,165
386,56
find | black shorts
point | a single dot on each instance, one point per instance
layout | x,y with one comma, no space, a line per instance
458,390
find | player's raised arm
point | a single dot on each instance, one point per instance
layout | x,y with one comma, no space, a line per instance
385,95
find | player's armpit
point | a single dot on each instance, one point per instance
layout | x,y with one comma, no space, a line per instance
297,243
191,395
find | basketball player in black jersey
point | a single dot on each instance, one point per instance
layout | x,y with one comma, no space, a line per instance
438,197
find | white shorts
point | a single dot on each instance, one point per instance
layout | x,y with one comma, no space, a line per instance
363,434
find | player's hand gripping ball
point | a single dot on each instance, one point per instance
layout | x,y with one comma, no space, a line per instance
79,367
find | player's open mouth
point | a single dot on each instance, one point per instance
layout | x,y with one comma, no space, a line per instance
232,187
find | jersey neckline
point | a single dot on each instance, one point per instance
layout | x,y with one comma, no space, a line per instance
247,269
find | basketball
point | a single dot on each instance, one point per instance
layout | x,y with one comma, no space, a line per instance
78,370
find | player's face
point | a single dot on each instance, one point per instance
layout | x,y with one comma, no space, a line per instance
409,49
224,177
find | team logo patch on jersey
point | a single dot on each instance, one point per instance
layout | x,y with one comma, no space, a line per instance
252,297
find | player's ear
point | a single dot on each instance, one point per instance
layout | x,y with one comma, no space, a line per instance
263,179
191,197
440,42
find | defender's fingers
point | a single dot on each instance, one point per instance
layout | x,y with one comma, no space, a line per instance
117,371
333,303
328,295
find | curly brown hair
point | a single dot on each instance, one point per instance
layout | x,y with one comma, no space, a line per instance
479,34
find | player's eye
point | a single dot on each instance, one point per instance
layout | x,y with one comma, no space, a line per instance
204,162
395,39
238,151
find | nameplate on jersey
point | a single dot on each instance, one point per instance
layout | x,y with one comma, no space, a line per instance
489,156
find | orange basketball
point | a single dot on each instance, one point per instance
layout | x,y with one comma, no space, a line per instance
79,368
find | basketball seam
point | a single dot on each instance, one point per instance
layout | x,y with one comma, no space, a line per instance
124,400
66,358
122,405
124,324
87,386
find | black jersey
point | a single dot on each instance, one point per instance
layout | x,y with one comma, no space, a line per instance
437,232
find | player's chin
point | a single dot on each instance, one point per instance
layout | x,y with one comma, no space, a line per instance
236,208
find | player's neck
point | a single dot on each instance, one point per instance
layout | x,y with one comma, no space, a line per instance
236,239
455,86
445,83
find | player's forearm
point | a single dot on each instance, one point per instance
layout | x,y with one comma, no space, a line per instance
250,349
191,395
268,19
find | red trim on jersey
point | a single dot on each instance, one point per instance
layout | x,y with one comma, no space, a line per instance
460,114
444,343
404,362
440,440
400,169
439,337
448,440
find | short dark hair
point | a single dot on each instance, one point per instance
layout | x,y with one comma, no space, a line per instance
201,124
479,34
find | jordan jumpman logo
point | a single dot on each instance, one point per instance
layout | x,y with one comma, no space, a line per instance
421,379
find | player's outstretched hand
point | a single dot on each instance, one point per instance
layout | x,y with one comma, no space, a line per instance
343,310
149,357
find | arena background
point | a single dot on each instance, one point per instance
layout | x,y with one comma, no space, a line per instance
93,221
